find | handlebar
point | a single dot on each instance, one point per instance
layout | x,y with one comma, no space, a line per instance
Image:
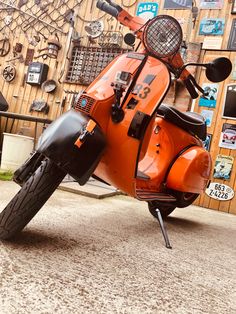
109,7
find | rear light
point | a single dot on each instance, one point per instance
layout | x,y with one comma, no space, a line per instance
225,137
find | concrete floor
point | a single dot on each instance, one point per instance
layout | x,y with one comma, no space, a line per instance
82,255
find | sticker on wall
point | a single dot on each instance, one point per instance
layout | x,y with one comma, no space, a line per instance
223,167
212,27
212,42
228,136
208,115
207,142
220,192
229,109
177,4
147,10
211,4
210,95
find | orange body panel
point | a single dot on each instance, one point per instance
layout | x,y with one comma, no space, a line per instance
118,165
167,141
191,171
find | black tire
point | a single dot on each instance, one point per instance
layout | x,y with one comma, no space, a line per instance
183,200
30,198
165,210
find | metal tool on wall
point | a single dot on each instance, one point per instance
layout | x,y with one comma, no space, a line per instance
4,47
52,49
36,16
50,85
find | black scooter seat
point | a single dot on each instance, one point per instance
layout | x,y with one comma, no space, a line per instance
191,122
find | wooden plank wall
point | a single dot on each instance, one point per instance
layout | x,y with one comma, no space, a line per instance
20,95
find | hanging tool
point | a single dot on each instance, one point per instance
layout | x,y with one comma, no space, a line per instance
4,47
67,46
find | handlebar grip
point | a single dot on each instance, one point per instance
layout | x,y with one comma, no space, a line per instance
190,87
106,7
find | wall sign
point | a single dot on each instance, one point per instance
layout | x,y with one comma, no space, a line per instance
208,115
229,111
212,27
228,136
207,142
211,4
232,36
147,10
210,95
177,4
212,42
223,167
220,192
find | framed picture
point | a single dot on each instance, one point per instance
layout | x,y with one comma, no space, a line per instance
228,136
177,4
223,167
211,4
232,36
207,142
212,27
208,115
233,10
210,95
229,109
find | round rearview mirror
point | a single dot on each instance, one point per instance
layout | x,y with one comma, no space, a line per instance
218,70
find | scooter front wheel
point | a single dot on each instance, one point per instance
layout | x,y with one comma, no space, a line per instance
30,198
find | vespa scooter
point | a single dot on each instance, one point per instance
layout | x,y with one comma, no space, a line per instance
120,132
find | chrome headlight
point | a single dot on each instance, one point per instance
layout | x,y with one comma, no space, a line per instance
162,36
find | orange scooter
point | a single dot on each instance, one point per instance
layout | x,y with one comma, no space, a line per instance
120,133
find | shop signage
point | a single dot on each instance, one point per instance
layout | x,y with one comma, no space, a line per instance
147,10
220,191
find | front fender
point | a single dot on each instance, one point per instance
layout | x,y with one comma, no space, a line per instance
58,143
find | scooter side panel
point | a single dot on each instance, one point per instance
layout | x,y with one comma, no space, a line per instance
191,171
58,143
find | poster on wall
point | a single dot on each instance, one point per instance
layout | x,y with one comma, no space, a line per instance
220,191
212,27
229,108
209,98
208,115
211,4
228,136
223,167
147,10
207,142
177,4
232,36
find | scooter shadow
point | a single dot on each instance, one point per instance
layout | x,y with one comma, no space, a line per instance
183,223
38,239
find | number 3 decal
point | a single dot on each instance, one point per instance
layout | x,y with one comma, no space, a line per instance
141,91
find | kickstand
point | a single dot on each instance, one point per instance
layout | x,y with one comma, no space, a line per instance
163,229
